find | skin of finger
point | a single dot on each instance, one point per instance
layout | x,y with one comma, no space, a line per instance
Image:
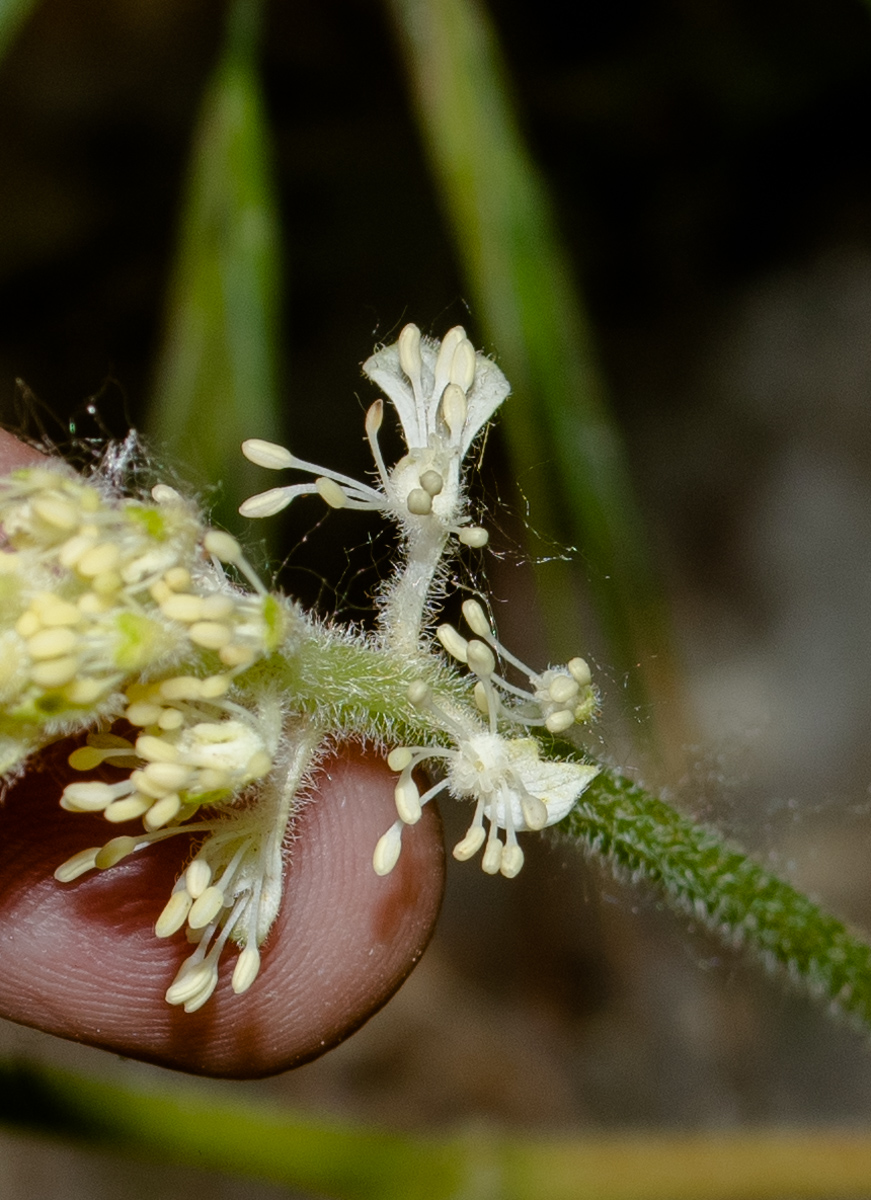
81,960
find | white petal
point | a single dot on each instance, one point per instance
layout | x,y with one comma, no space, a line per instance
384,370
488,391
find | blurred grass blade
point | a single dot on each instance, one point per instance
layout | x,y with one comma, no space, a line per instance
13,14
217,379
566,452
353,1162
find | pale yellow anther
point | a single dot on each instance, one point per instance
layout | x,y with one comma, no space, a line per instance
387,851
127,809
235,655
476,619
214,686
246,970
54,673
86,758
210,635
189,984
580,671
512,861
454,409
455,644
87,691
28,624
419,693
174,915
330,492
92,605
408,346
113,852
54,611
374,418
58,513
267,454
534,811
72,550
216,608
212,779
560,721
259,764
399,758
447,348
107,583
182,606
164,494
470,845
52,643
178,578
206,907
170,718
562,689
432,482
463,365
474,536
160,591
197,877
99,559
492,860
155,749
419,502
480,658
482,702
162,811
181,687
407,799
223,545
79,864
163,777
143,713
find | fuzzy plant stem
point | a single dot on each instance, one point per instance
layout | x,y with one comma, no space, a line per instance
712,880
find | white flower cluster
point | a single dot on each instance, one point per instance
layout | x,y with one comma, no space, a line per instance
206,702
444,394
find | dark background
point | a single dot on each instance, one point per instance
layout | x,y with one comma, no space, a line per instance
710,166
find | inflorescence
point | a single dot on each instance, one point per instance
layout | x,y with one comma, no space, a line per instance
128,619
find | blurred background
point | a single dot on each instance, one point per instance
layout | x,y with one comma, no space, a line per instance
703,170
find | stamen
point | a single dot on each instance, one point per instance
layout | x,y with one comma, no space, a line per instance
387,850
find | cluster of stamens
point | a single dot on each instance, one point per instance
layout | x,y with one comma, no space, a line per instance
504,775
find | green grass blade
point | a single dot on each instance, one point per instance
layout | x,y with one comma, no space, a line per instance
217,380
355,1162
13,14
522,290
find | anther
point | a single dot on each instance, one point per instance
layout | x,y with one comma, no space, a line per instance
474,536
113,852
246,970
560,721
454,409
330,492
267,454
480,658
580,671
206,907
476,619
174,914
408,345
419,693
419,502
399,758
455,644
387,850
463,365
432,482
197,877
407,799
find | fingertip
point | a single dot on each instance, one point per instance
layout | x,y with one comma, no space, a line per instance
82,960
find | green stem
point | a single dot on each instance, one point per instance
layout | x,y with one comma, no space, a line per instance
712,879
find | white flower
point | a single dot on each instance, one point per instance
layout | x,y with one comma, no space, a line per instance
511,786
444,393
